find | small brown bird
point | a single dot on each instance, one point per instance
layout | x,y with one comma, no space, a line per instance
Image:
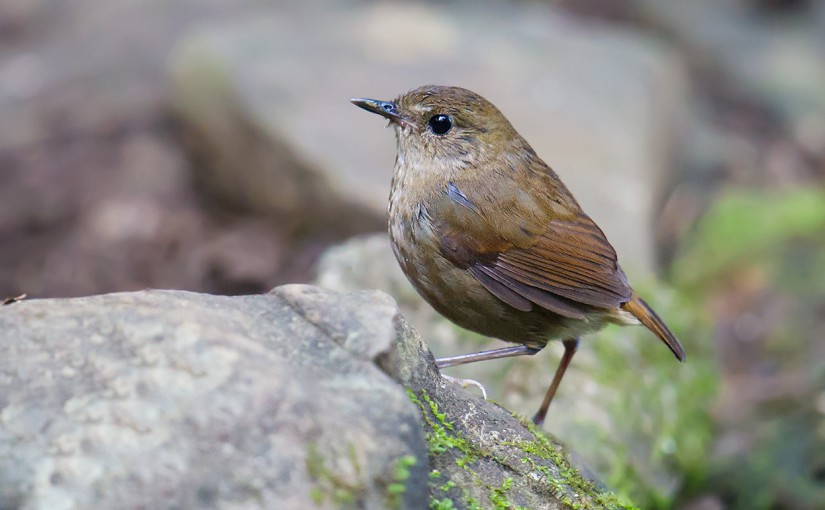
492,239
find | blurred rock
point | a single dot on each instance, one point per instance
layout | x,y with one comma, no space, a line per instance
128,219
634,414
70,70
15,15
265,101
772,50
96,192
367,262
162,399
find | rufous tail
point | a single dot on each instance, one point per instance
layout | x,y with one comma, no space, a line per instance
648,317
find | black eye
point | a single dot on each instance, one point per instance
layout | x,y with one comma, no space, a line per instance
440,124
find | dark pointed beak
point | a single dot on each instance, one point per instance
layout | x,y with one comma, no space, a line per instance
386,109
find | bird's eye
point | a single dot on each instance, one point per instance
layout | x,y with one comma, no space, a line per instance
440,124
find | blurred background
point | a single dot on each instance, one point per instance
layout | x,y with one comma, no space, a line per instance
209,145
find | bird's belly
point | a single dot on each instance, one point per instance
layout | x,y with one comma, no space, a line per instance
457,295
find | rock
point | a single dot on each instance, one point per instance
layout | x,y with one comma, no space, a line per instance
344,269
481,456
291,400
771,56
50,95
265,101
368,262
164,399
96,191
634,414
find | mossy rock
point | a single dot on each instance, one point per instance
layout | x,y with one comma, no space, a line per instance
482,456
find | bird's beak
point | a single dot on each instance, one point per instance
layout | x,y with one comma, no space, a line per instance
386,109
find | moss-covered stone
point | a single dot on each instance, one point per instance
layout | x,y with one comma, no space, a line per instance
527,470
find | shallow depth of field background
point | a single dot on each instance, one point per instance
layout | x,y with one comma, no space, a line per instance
209,145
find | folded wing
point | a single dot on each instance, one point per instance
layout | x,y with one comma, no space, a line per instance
558,265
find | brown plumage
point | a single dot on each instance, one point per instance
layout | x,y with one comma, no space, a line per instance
490,236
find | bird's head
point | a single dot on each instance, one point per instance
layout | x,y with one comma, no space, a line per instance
436,124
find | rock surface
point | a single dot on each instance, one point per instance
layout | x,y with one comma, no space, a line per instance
170,399
96,189
266,103
290,400
481,456
774,54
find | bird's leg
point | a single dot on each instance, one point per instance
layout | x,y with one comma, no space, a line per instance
463,359
570,348
504,352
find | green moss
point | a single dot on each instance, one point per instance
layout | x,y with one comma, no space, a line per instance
498,497
397,488
765,244
328,484
443,437
472,503
447,486
567,478
441,504
317,495
402,467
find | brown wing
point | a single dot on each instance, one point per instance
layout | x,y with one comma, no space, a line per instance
573,260
562,264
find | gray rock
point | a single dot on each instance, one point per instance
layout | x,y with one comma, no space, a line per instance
774,58
165,399
72,73
168,399
367,262
480,454
266,102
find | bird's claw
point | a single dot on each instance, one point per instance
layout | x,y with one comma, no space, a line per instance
466,382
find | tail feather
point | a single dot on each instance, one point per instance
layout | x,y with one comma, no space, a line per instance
648,317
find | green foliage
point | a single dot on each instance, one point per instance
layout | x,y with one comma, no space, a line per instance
770,248
660,428
750,227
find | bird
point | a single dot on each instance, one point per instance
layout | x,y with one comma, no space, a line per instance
492,239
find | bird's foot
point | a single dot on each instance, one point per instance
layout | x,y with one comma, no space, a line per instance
466,382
